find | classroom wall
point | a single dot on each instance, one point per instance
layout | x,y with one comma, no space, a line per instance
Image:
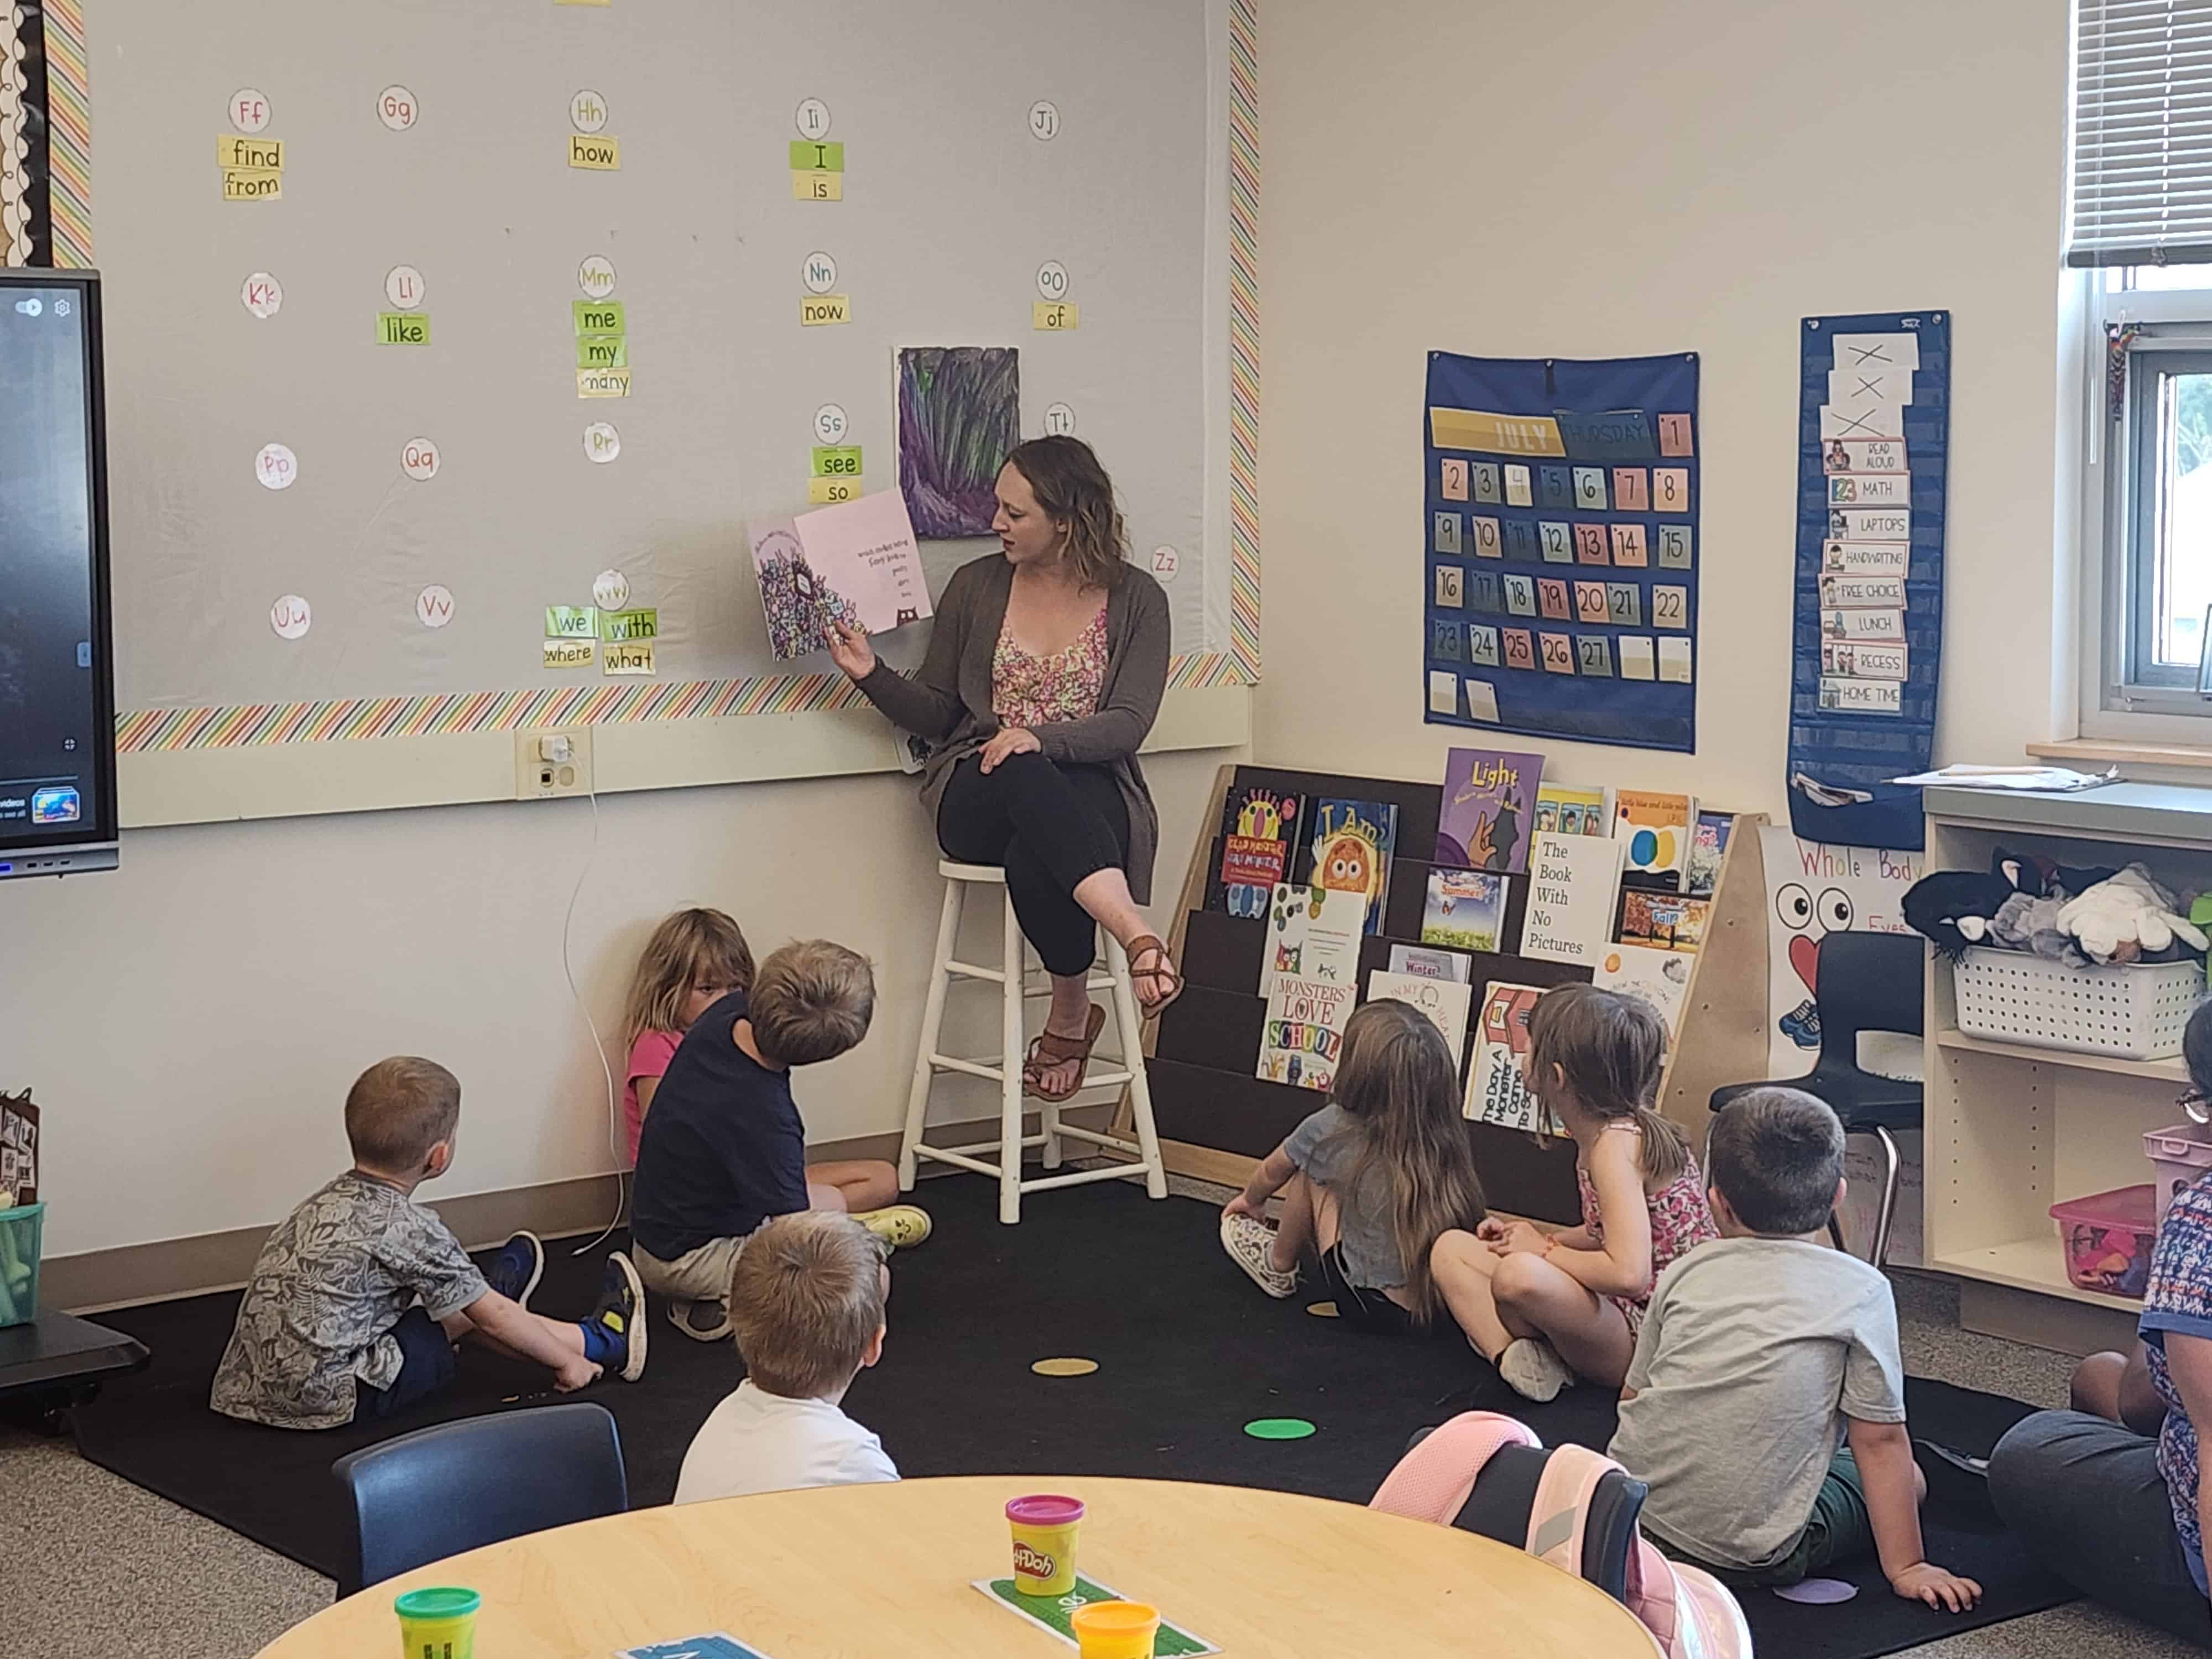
190,1023
1618,179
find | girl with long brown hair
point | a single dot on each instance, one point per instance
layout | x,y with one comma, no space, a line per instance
1547,1308
1369,1181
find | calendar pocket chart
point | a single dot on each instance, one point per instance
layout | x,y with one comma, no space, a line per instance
1566,492
1874,439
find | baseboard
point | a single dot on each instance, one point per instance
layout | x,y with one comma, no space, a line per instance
2042,1321
97,1280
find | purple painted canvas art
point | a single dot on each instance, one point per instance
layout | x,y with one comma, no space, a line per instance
959,412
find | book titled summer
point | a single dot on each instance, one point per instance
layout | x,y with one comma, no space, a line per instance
1466,910
1489,801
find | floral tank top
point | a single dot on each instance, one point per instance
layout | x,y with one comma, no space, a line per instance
1682,1219
1032,691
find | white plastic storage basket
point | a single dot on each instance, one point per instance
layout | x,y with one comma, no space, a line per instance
2128,1013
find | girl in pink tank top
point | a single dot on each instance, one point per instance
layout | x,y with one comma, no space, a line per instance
1547,1308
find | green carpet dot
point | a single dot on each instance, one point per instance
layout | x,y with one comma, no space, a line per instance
1278,1428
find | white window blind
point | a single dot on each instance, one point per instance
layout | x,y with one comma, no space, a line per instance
2143,133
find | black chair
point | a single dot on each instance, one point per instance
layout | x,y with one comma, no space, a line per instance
459,1486
1864,981
1504,1496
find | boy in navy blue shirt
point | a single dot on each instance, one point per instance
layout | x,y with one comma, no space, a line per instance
724,1149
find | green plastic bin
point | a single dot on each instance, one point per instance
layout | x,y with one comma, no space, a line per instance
20,1231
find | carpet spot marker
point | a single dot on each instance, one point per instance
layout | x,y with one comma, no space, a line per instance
1280,1428
1065,1367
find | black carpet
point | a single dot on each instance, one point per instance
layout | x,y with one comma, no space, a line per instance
1189,1351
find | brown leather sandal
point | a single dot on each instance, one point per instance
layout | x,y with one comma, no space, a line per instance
1048,1050
1151,945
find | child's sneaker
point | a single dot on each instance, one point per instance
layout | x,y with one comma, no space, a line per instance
1534,1370
1250,1243
617,1315
901,1226
703,1321
515,1271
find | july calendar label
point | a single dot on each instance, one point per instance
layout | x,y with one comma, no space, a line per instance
1858,593
1865,558
1864,455
1863,696
1874,490
1864,660
1878,524
1878,625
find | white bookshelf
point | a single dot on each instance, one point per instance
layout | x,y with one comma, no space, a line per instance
2012,1129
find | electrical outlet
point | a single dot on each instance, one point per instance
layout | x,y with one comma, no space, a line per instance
548,764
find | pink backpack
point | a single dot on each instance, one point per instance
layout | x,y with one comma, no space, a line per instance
1686,1608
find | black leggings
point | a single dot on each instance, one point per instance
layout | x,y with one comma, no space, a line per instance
1049,826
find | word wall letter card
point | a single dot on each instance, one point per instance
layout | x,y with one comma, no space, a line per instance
1560,589
1874,439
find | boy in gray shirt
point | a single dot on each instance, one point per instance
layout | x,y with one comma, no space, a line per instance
360,1295
1759,1352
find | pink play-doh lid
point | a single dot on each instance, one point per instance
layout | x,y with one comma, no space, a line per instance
1045,1510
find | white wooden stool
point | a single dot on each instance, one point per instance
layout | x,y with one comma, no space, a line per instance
1011,976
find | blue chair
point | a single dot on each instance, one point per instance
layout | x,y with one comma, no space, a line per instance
459,1486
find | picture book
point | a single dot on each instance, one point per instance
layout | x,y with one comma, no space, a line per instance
1673,921
1657,829
1313,933
1259,834
1573,882
1432,964
1489,798
1660,978
1444,1001
855,562
1466,909
1497,1089
1304,1037
1353,841
1569,809
1708,847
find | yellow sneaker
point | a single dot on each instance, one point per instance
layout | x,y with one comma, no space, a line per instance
901,1226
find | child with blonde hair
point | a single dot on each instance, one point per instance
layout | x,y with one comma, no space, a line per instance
807,1300
695,958
725,1150
1546,1308
1369,1180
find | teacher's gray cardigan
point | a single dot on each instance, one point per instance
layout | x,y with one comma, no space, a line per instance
948,699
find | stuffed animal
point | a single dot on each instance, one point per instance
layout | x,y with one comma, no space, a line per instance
2130,918
2025,922
1954,908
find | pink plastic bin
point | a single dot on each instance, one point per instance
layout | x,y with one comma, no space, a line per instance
2107,1239
2179,1155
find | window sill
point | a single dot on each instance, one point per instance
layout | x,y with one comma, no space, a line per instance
2078,752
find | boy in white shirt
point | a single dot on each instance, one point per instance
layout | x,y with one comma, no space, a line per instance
807,1302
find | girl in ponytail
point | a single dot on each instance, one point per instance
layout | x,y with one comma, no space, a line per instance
1547,1307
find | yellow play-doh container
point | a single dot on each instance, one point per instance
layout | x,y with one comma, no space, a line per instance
438,1624
1044,1527
1115,1629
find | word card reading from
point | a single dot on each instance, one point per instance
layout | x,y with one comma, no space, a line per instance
1573,487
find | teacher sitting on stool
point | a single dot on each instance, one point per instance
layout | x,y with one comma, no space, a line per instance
1044,675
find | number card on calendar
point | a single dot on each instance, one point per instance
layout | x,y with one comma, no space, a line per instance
1874,436
1581,479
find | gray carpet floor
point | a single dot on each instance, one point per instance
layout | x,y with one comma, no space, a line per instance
93,1567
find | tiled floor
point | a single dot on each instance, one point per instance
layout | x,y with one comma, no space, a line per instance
91,1566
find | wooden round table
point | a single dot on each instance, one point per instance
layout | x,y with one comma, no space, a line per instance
885,1572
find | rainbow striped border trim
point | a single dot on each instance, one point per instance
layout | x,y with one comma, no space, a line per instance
69,135
154,731
248,726
1244,336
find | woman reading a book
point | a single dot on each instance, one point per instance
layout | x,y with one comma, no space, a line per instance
1044,675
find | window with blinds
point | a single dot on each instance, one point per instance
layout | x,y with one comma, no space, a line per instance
2143,133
